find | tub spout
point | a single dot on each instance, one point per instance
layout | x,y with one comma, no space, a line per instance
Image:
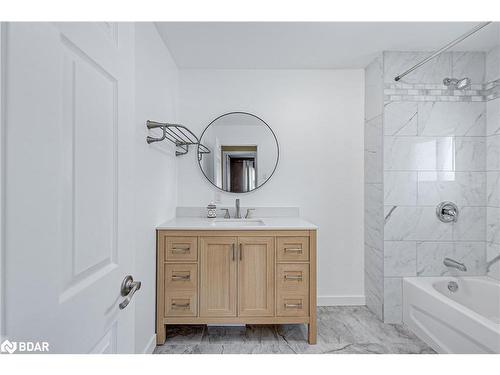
452,263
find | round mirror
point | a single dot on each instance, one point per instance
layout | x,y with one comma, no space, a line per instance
238,153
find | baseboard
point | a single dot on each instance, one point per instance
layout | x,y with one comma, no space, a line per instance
341,300
150,347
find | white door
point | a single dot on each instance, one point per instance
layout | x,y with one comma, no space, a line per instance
68,103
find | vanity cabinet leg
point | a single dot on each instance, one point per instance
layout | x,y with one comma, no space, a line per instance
161,334
312,332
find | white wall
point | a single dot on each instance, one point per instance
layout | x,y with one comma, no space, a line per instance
156,98
318,119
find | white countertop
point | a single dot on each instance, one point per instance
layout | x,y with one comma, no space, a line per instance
266,223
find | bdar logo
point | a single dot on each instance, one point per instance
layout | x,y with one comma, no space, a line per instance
8,347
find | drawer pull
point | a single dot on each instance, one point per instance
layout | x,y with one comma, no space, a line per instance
181,277
293,249
293,305
291,277
180,305
180,249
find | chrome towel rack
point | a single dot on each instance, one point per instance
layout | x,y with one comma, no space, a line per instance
179,135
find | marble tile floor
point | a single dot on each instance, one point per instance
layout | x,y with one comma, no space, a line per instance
341,330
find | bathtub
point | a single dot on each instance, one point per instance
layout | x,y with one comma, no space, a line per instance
467,321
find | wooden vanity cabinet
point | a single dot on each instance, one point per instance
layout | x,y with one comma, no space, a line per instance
256,276
218,276
245,277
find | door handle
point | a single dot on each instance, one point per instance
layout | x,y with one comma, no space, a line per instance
128,289
233,252
241,251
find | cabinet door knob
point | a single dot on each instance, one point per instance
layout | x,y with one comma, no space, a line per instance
241,251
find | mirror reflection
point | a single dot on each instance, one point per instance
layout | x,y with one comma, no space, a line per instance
243,152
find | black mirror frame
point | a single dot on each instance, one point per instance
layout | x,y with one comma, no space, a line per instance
242,113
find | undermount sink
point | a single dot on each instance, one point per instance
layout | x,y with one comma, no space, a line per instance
238,223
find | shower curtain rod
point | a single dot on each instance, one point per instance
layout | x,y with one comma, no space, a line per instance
439,51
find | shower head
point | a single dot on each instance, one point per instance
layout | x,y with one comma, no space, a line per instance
463,83
458,84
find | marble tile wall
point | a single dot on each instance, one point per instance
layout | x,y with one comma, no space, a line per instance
425,145
374,219
434,149
493,163
437,92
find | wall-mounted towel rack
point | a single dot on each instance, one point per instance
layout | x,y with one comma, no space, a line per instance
179,135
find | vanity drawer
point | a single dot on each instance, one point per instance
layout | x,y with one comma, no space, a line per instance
292,305
181,249
181,277
292,278
292,249
181,303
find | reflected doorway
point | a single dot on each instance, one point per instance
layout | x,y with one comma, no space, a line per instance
239,168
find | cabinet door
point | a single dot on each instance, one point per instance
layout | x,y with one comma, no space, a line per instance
256,276
218,276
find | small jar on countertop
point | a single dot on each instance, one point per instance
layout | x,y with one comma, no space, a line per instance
212,211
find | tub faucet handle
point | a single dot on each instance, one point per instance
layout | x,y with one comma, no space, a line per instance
447,212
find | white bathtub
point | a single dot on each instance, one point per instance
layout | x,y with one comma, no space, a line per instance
467,321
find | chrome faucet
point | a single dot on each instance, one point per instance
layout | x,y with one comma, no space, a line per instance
490,263
448,262
237,215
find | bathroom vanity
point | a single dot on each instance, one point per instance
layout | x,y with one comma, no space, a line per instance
248,271
234,271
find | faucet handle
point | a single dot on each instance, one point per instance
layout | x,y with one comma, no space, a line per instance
249,213
226,215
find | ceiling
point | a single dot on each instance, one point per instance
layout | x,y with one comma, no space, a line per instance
309,45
